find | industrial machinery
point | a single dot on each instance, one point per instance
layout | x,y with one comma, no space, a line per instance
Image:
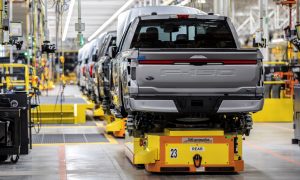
71,60
187,150
14,77
15,125
296,139
281,73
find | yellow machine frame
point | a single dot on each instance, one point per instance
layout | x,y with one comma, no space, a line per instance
10,83
175,151
98,112
115,125
67,114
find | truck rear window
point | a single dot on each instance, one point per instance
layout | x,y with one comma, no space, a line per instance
183,33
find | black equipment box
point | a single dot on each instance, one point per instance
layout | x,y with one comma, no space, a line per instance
14,120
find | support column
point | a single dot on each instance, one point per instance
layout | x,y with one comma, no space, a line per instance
158,2
79,16
232,11
221,7
226,7
264,30
10,21
216,6
154,2
297,12
46,21
140,3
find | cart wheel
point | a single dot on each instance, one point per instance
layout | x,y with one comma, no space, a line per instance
14,160
3,158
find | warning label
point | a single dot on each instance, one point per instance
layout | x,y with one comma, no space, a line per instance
198,140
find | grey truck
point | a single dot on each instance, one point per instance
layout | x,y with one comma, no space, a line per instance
178,67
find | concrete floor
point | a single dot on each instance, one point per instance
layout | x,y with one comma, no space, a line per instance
268,154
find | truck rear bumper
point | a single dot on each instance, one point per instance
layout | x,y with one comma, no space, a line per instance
206,106
231,106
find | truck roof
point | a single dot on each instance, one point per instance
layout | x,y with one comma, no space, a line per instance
128,16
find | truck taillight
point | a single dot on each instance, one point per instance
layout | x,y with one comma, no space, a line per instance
91,70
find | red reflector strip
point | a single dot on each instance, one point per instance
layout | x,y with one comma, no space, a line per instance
225,62
182,16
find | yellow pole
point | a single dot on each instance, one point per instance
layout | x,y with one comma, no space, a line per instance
289,51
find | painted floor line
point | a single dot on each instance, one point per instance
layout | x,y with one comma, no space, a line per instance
62,163
273,153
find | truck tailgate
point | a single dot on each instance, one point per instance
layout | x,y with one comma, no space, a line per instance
198,71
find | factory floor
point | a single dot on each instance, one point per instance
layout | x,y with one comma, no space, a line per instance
268,154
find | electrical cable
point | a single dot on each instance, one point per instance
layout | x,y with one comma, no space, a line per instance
36,101
56,101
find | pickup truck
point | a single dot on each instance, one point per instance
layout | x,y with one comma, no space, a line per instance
102,70
82,59
185,70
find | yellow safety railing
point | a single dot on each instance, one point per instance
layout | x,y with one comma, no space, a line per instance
15,75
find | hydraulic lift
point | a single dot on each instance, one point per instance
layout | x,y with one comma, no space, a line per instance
187,150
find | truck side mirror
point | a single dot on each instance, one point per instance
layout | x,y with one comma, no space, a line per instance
112,51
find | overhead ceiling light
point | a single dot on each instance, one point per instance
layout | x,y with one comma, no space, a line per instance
70,12
111,19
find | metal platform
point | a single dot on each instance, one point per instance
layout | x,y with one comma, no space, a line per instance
186,150
69,110
66,100
68,138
